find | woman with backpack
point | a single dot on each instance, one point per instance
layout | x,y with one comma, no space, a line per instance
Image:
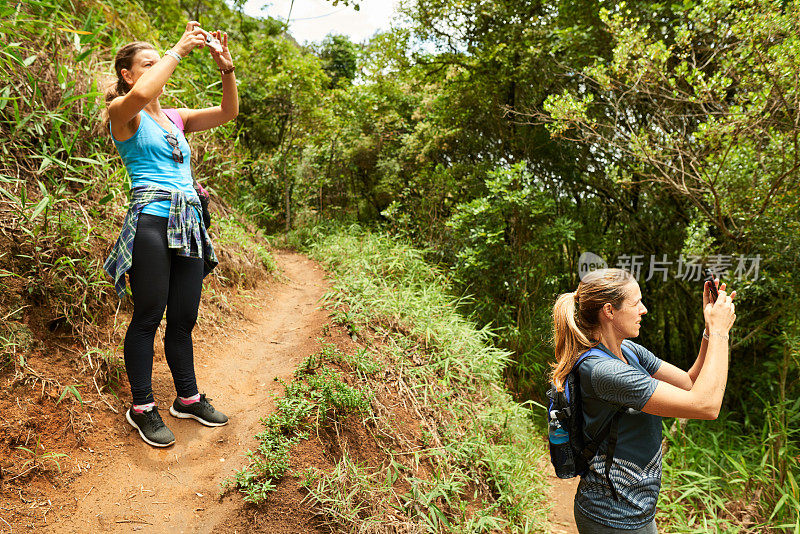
163,245
625,383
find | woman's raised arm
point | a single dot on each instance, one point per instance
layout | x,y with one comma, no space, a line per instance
704,399
686,379
149,85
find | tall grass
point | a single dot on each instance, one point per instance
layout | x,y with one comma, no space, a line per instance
726,476
739,473
56,176
478,437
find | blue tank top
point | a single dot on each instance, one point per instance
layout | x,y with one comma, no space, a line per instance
147,156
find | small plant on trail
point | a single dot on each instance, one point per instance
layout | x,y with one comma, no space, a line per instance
15,341
39,461
108,367
71,389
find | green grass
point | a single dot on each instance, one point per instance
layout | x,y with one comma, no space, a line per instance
725,476
230,231
39,460
314,397
482,445
16,340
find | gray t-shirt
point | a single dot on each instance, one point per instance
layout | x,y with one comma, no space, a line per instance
606,385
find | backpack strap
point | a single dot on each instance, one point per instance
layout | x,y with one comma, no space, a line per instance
610,430
630,354
173,115
612,445
566,412
581,358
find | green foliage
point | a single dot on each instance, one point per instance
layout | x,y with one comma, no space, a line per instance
230,231
349,493
727,476
338,55
72,390
107,367
48,154
281,105
39,460
16,340
362,362
505,246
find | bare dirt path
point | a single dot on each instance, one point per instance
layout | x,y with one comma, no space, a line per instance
562,494
133,487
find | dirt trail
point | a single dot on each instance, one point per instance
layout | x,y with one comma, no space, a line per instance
134,487
562,495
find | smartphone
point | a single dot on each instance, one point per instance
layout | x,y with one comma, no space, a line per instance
212,42
712,286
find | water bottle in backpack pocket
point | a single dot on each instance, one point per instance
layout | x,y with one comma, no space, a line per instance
561,454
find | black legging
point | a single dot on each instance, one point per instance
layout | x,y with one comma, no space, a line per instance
161,279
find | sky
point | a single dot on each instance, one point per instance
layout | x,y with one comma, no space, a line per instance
312,20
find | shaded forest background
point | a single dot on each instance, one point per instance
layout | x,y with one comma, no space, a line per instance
503,138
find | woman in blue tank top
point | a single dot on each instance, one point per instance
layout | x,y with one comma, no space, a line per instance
163,246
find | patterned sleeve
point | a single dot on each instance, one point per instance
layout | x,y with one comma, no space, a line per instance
647,359
615,382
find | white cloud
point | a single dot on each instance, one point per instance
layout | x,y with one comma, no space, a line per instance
312,20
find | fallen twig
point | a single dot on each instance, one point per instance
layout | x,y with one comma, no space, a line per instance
139,521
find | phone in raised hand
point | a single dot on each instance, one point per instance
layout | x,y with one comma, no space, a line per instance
212,42
712,285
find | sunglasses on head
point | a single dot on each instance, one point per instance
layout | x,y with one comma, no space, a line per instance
177,155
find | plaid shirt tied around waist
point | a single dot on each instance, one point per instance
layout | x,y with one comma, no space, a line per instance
185,232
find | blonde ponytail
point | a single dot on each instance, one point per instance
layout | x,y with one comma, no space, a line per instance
576,317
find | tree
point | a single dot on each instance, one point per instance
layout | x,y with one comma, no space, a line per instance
339,57
281,103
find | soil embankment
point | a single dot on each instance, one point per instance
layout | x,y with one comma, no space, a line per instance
113,482
132,487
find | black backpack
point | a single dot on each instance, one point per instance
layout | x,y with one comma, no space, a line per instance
569,453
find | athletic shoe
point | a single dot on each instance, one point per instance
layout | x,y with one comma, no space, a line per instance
151,427
201,411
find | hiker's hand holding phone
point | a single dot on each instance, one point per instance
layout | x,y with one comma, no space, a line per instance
721,314
192,38
708,294
220,52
